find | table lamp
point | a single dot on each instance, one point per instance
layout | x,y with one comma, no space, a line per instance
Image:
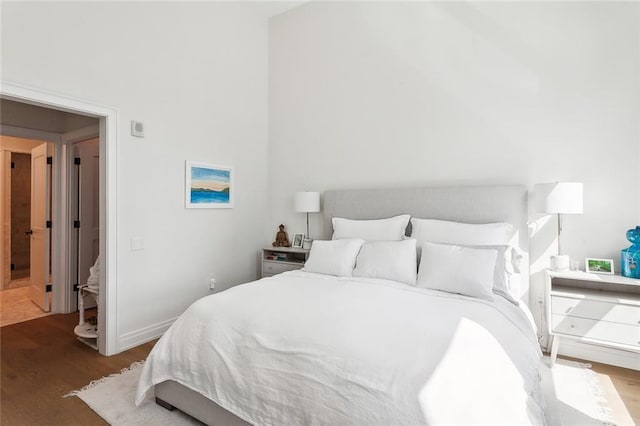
306,202
559,198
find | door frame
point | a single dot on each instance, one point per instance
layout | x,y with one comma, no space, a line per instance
108,117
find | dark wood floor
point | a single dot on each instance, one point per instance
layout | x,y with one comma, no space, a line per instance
40,361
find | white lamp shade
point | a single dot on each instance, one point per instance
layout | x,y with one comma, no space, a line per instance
559,197
306,202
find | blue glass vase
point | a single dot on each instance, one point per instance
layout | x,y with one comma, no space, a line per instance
631,256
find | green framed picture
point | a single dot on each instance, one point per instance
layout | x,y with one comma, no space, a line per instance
599,266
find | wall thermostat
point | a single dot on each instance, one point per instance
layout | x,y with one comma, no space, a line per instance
137,129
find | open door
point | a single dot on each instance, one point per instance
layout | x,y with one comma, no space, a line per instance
85,192
40,232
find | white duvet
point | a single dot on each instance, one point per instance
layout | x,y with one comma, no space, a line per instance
302,349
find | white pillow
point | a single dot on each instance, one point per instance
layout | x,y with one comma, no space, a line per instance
337,257
466,234
389,229
505,282
493,235
389,260
456,269
516,259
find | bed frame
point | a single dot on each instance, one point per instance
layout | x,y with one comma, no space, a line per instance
470,204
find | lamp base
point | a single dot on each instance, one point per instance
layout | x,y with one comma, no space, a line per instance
560,262
306,243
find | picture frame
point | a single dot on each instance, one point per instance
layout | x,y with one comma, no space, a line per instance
297,240
599,266
208,186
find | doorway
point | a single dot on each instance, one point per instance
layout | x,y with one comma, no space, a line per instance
26,190
107,131
20,205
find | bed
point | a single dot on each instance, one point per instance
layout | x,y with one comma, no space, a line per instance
307,347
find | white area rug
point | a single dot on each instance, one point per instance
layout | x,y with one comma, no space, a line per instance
572,392
112,399
574,395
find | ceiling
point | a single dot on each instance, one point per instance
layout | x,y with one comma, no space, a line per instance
27,116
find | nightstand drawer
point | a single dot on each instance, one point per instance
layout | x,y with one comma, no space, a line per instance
269,267
598,330
596,310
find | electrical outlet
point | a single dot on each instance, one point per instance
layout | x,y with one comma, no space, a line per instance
212,281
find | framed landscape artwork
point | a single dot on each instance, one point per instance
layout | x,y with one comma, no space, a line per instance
208,186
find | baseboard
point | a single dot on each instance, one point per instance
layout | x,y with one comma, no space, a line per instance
601,354
143,335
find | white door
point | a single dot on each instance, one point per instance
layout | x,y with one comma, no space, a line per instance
85,184
88,153
40,203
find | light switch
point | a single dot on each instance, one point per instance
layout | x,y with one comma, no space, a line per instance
137,243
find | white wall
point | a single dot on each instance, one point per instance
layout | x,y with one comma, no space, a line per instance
196,75
383,94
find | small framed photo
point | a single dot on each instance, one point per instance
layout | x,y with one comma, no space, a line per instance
599,266
297,240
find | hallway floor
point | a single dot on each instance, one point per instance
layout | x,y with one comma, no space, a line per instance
16,306
18,282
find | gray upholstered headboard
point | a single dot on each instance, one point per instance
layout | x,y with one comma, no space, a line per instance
469,204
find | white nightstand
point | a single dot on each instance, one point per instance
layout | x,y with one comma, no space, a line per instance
597,309
276,260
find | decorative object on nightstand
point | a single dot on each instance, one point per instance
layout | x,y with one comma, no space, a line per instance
282,239
276,260
559,198
594,309
599,266
306,202
297,240
630,257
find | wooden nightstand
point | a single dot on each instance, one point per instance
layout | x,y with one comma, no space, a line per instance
597,309
276,260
